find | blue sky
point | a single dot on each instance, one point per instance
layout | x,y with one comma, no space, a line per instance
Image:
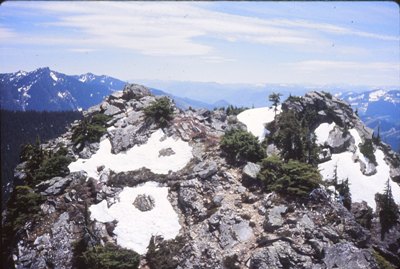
226,42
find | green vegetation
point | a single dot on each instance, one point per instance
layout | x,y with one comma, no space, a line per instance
367,149
42,164
160,255
109,256
275,98
344,192
381,261
160,111
291,178
234,110
22,207
90,129
291,134
388,210
241,146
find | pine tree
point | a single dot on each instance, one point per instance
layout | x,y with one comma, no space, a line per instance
389,211
275,98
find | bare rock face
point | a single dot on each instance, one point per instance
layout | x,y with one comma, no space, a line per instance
144,202
134,91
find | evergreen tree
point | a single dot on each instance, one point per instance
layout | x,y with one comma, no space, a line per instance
389,211
344,192
290,136
275,98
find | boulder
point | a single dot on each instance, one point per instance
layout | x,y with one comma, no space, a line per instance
274,218
347,256
54,186
134,91
206,169
144,202
251,170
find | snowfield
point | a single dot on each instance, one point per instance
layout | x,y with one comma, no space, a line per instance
256,118
135,228
322,132
362,187
146,155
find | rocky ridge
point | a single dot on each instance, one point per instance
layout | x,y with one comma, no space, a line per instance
227,220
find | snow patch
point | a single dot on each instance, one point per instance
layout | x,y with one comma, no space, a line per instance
53,76
146,155
374,96
322,132
135,228
256,118
362,187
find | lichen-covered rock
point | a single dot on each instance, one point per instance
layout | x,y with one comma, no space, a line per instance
144,202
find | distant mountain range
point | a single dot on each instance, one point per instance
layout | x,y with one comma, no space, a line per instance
378,109
45,89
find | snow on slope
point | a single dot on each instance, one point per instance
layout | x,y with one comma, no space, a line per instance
322,132
146,155
362,187
135,228
53,76
256,118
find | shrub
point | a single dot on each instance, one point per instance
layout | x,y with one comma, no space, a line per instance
291,178
381,261
161,255
240,145
160,111
56,166
234,110
23,206
90,129
109,256
367,149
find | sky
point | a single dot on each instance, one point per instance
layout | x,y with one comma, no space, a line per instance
355,43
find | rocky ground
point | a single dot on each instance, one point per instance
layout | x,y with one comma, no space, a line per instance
226,220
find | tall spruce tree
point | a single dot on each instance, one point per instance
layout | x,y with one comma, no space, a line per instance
275,98
389,212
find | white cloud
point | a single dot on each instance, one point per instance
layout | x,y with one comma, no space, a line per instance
317,65
173,28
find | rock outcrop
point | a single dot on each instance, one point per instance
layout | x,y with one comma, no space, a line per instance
227,220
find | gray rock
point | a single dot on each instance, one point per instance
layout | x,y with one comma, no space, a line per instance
274,218
347,256
251,170
19,172
242,231
116,95
144,202
112,110
272,150
339,142
54,186
166,152
306,222
123,139
189,197
206,169
134,91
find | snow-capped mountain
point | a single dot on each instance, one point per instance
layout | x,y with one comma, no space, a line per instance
44,89
378,108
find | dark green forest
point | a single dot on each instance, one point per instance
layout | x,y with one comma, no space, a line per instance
22,127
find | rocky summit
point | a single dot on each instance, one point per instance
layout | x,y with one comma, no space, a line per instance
162,186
